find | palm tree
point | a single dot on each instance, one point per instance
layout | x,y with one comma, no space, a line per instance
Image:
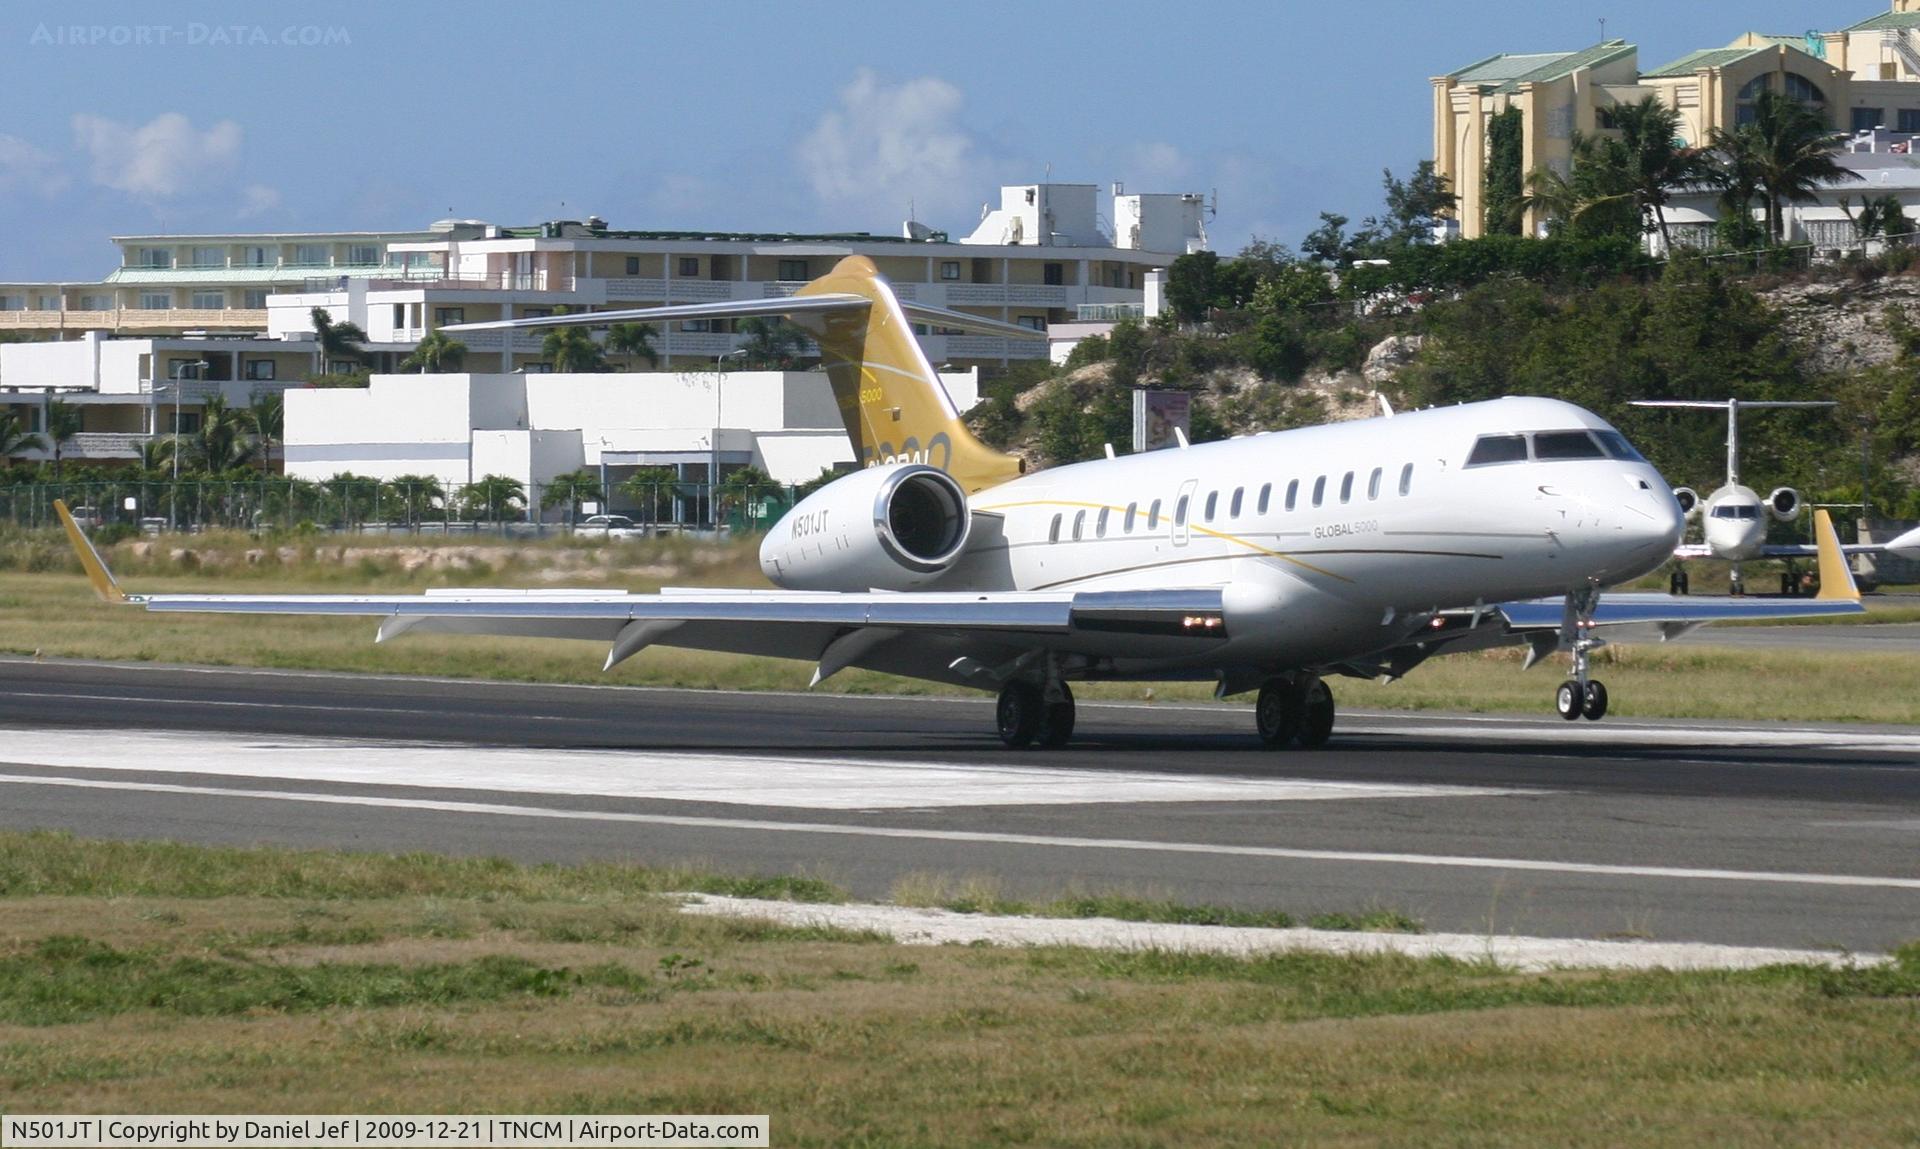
572,349
418,495
651,488
438,352
337,341
63,423
630,339
1593,199
221,444
1735,170
572,489
744,487
490,498
1655,160
266,417
156,455
1790,152
1880,216
14,436
770,342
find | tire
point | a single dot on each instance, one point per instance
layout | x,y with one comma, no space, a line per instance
1056,721
1568,700
1593,704
1277,713
1317,721
1018,713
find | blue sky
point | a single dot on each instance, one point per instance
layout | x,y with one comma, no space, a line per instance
742,115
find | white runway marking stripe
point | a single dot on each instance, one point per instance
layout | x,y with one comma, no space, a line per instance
825,783
988,838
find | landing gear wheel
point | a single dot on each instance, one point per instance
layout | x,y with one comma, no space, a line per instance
1317,726
1278,713
1569,700
1019,713
1056,721
1593,700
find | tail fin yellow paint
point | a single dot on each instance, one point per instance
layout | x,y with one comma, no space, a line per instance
894,405
1836,577
90,560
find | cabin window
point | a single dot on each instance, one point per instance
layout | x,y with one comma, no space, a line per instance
1293,493
1319,490
1079,524
1213,501
1053,532
1266,495
1153,515
1346,487
1127,524
1180,511
1406,479
1373,484
1493,449
1100,524
1233,508
1566,445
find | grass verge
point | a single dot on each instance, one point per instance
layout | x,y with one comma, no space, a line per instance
150,979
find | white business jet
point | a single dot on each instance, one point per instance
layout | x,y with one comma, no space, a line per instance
1734,518
1267,563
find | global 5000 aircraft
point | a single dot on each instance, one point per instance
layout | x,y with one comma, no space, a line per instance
1270,562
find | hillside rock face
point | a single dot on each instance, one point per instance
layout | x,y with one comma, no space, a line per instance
1841,325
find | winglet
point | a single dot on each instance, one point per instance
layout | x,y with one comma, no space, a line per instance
96,567
1836,578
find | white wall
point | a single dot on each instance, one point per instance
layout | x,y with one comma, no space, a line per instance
399,425
532,457
74,363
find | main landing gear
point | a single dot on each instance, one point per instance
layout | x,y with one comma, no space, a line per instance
1294,709
1581,696
1030,713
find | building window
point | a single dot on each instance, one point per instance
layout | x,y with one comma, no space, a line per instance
13,303
209,257
442,316
696,325
259,369
364,254
690,265
154,257
794,270
256,299
210,300
1805,90
312,254
255,257
1908,119
633,265
1373,484
46,303
950,269
1032,322
1053,274
184,422
1406,479
96,303
156,300
1867,119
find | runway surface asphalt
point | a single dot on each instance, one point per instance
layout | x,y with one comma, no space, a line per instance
1764,834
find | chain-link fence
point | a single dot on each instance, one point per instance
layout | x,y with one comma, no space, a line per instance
373,506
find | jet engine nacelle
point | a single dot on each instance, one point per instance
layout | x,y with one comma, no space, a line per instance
1784,504
892,527
1688,500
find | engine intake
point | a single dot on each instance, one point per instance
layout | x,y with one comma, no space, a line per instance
1688,500
892,527
1784,504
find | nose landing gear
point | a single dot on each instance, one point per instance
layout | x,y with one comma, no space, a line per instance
1581,696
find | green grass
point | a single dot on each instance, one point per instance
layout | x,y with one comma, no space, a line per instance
181,979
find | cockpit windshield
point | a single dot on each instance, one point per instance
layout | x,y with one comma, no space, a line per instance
1736,511
1551,447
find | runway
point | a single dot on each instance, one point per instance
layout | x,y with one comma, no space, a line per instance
1863,638
1762,835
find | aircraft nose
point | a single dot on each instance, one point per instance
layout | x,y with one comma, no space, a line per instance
1656,518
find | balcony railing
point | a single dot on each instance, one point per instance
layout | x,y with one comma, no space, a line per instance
135,318
498,281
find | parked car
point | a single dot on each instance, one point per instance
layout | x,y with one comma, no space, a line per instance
610,527
152,526
88,517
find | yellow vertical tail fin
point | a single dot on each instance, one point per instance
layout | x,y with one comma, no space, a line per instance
90,560
894,406
1836,577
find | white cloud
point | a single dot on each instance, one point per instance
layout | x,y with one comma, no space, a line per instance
1157,166
24,166
256,199
161,159
886,145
